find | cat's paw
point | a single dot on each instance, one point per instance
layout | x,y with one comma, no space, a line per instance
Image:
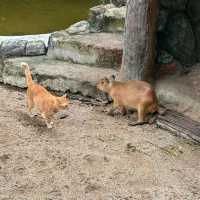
50,125
32,115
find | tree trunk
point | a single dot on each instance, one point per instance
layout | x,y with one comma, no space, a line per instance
139,40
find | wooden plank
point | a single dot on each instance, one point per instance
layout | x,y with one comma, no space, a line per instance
180,125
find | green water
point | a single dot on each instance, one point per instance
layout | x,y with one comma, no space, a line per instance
19,17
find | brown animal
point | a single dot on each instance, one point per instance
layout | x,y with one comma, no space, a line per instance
132,94
38,97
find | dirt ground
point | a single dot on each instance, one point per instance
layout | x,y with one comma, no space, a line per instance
91,156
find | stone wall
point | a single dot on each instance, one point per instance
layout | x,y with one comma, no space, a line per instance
178,30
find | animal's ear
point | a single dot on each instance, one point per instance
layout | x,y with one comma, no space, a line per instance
64,96
112,78
67,93
107,79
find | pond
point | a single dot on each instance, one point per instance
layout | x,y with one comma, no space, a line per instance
19,17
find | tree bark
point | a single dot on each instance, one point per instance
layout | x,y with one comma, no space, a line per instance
139,40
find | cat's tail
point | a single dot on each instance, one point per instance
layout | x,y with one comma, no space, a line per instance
27,71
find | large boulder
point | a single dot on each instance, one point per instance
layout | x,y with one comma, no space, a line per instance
182,91
164,57
42,37
17,48
95,49
96,16
179,39
1,69
13,48
55,75
162,19
82,27
174,4
197,34
107,18
35,48
114,19
117,3
193,10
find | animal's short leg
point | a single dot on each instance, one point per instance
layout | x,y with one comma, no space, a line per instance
48,121
123,110
114,107
111,111
141,116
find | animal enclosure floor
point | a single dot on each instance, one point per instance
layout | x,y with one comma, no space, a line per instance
91,156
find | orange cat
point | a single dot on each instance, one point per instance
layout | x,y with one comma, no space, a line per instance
38,97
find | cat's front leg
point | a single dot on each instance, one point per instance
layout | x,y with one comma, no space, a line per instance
48,122
50,125
32,114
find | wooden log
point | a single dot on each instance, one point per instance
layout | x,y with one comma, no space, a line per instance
180,125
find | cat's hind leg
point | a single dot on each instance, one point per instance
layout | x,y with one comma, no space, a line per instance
30,105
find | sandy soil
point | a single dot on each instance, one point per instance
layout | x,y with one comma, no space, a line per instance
91,156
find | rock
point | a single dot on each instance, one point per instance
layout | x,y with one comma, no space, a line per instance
174,4
193,10
179,39
41,37
95,49
58,34
107,18
180,90
105,1
35,48
114,19
28,45
13,48
96,16
82,27
1,69
119,3
162,19
164,57
197,35
55,75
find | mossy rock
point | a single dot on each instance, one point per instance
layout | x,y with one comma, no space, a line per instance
179,39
